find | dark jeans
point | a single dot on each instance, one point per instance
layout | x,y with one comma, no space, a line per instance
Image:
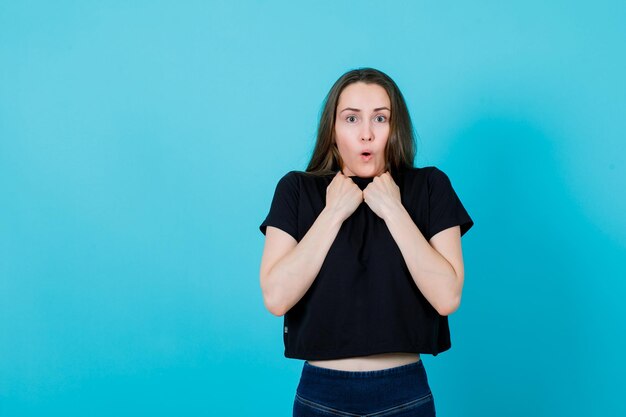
401,391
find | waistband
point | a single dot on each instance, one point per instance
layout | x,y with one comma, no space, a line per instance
353,389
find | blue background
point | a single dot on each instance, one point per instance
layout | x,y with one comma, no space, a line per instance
140,144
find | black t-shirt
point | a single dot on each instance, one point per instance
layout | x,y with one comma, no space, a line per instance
364,300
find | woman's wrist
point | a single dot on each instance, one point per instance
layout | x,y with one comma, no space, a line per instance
393,211
333,216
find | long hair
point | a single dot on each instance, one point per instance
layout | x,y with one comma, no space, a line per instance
400,147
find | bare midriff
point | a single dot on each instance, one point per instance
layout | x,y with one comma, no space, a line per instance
370,362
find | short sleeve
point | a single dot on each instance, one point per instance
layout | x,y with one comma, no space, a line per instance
445,207
283,212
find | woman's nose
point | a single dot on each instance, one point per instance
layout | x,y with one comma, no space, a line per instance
366,133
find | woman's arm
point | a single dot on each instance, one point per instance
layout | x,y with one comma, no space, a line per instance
289,268
436,267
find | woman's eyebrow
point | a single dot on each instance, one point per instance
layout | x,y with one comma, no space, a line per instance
358,110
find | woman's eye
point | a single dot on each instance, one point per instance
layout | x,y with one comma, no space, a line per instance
351,119
381,118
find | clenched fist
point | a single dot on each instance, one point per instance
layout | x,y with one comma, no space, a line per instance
382,195
343,196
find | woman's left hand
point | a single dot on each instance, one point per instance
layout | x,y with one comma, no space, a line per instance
382,195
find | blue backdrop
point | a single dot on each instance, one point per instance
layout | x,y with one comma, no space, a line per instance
140,144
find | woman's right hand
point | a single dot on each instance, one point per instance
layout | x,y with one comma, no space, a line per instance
343,196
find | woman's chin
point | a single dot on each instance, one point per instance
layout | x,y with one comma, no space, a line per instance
364,172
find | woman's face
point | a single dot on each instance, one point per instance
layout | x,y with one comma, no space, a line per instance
362,129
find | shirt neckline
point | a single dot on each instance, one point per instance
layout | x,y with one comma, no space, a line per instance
361,181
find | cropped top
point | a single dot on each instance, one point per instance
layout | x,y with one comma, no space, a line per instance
363,300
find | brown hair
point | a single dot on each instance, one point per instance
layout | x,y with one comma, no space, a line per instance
400,148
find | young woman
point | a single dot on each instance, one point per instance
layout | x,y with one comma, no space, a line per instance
363,258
